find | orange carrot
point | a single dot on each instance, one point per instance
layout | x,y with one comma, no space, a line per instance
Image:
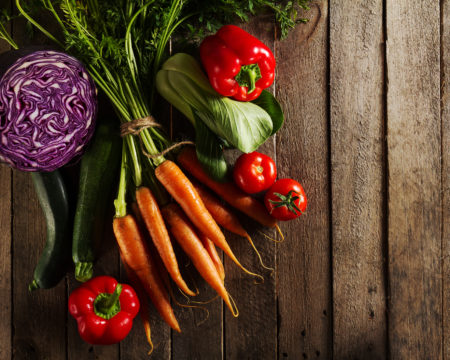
228,191
212,251
162,271
224,217
221,214
184,232
184,193
154,222
136,255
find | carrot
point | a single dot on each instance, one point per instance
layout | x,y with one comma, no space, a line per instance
224,217
212,251
184,232
143,300
228,191
154,222
136,255
184,193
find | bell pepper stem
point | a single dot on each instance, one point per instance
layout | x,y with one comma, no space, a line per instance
108,305
248,76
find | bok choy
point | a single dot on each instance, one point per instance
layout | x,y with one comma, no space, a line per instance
217,119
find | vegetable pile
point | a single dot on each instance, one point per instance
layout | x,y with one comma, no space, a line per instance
124,47
48,107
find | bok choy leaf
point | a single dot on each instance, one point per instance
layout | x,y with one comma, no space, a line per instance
243,125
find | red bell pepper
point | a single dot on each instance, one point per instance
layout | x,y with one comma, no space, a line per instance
104,310
238,64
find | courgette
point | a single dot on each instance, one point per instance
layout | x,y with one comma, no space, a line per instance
98,171
52,264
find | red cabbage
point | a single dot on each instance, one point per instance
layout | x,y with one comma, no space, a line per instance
48,108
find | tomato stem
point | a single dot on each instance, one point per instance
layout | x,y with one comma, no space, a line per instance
288,201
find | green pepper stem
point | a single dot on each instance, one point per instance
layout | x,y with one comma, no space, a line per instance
248,76
108,305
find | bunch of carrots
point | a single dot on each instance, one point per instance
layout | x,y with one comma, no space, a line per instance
192,219
194,216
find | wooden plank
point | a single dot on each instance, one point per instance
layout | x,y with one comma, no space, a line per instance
135,345
357,180
107,264
445,148
303,260
5,250
39,318
201,336
5,264
253,335
414,183
202,329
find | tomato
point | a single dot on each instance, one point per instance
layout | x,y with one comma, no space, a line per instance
285,200
254,172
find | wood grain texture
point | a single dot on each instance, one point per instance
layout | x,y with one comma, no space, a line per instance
201,334
5,263
357,111
253,335
107,264
445,148
5,252
202,329
414,183
39,318
303,260
135,345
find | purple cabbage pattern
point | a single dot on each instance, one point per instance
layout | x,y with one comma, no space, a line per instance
48,108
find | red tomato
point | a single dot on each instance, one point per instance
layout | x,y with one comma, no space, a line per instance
285,200
254,172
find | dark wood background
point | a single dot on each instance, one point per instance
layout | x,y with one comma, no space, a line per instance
365,274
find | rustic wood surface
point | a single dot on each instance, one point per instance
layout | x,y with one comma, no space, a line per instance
365,273
357,179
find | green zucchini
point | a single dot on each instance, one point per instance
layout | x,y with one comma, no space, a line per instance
98,171
52,264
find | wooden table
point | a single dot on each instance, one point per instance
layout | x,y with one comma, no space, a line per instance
365,274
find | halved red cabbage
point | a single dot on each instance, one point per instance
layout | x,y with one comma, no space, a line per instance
48,108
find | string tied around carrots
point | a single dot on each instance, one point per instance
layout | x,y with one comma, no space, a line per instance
136,126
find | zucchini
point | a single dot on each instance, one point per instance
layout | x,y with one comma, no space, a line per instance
98,171
52,264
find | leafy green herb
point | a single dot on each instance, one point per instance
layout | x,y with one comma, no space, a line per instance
5,17
212,14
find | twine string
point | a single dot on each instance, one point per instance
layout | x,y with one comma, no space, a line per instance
136,126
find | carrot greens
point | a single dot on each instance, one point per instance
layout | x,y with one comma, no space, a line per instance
124,43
